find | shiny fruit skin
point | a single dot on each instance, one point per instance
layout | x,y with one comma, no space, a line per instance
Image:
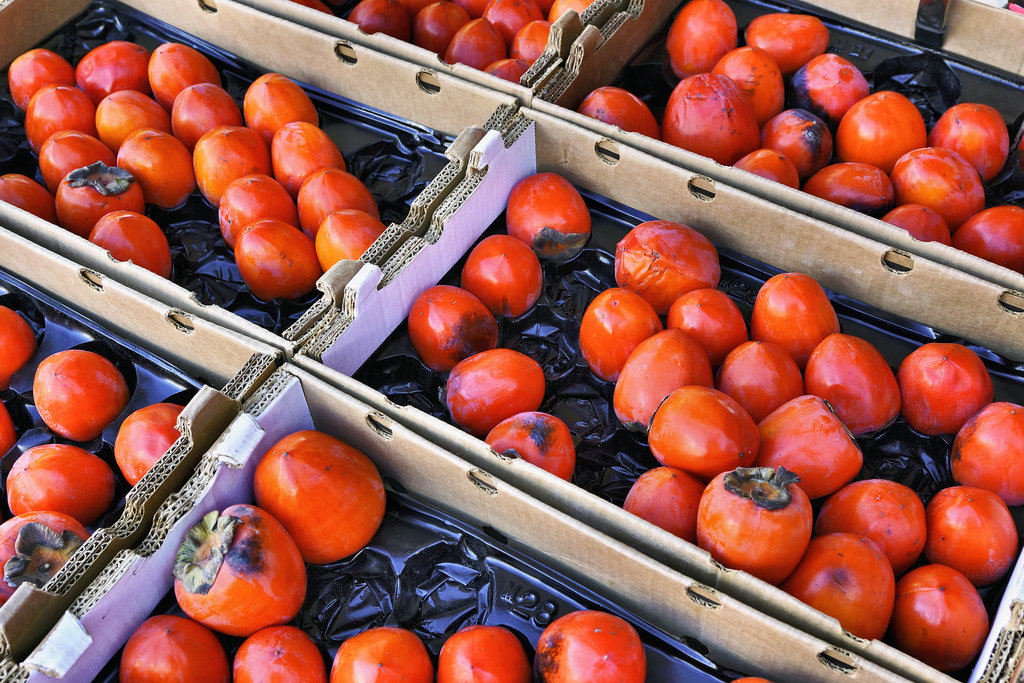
702,33
491,386
538,438
161,165
827,86
988,451
504,274
972,531
273,100
792,39
758,77
60,478
847,577
128,235
854,377
614,324
478,653
225,154
279,654
168,647
921,222
793,311
621,108
476,44
8,435
328,190
590,645
67,150
560,7
761,376
250,198
17,344
662,260
310,468
56,521
447,325
200,108
879,129
508,16
33,70
345,235
942,386
708,115
276,260
771,164
668,498
802,137
548,214
530,41
80,208
704,432
25,193
113,66
436,24
261,582
659,365
510,70
887,512
382,655
711,319
390,17
942,181
56,108
121,113
977,133
78,393
938,617
742,535
174,67
996,235
144,437
297,150
861,187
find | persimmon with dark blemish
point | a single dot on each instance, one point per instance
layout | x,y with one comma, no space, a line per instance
861,187
802,137
538,438
590,645
55,525
448,324
547,213
827,86
708,115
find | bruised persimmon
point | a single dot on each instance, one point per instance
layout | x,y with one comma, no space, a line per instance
942,385
113,66
477,44
510,70
547,213
530,41
33,70
538,438
827,86
56,108
793,311
614,324
479,652
144,437
60,478
712,319
169,647
132,236
879,129
667,497
78,393
771,164
273,100
174,67
802,137
921,222
590,645
277,654
942,181
384,653
225,154
447,325
25,193
504,274
200,108
389,17
89,193
329,190
700,35
121,113
435,25
977,132
250,198
658,366
276,260
493,385
988,451
971,530
345,235
620,108
44,548
67,150
299,149
509,16
861,187
995,234
756,74
161,164
17,344
761,376
708,115
792,39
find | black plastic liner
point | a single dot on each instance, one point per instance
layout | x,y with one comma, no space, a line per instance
393,157
431,573
57,328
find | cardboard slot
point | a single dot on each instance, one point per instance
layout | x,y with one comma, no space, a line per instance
181,321
838,661
91,278
428,82
1012,303
346,52
701,188
607,151
897,262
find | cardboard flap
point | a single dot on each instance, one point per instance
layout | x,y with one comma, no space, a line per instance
234,445
25,618
60,649
564,32
490,147
206,414
336,280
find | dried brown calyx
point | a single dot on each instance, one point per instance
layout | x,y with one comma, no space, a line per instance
40,552
107,180
764,486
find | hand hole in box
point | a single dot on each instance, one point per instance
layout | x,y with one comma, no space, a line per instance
702,188
897,262
607,151
208,6
180,320
838,661
345,52
427,80
91,278
1012,303
482,481
703,596
380,425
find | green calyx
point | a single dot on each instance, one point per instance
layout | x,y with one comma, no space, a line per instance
202,553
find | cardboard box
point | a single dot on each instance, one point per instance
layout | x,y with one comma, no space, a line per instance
731,634
840,260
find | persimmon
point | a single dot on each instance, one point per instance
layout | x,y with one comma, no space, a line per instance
413,7
972,531
297,150
712,319
509,16
702,33
278,654
248,199
476,44
56,108
921,222
8,435
995,234
977,133
384,653
988,451
17,344
792,39
942,181
276,260
143,438
560,7
879,129
78,393
174,67
510,70
761,376
708,115
390,17
67,150
482,652
25,193
131,236
160,164
621,108
668,498
329,190
33,70
504,274
169,647
530,41
538,438
614,324
349,493
590,645
493,385
200,108
121,113
345,235
225,154
546,212
771,164
60,478
44,548
89,193
449,324
802,137
273,100
793,311
942,385
239,571
827,86
436,24
113,66
756,74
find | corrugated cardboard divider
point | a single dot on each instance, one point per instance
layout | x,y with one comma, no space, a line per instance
1005,644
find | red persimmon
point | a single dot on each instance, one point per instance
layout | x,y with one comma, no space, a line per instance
538,438
793,311
700,35
299,149
977,133
436,24
792,39
560,7
996,235
385,653
278,654
988,451
33,70
8,435
620,108
329,190
144,437
389,17
449,324
547,213
504,274
17,344
879,129
712,319
614,324
60,478
56,108
168,647
530,41
942,385
761,376
493,385
756,74
861,187
121,113
67,150
802,137
174,67
225,154
476,44
479,652
273,100
827,86
668,498
509,16
972,531
161,165
131,236
771,164
942,181
510,70
590,645
37,545
921,222
78,393
89,193
708,115
248,199
276,260
25,193
200,108
112,66
345,235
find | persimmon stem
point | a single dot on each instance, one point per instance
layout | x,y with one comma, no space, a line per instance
765,487
40,552
107,180
201,554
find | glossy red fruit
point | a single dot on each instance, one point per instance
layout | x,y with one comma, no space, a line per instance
78,393
854,377
144,437
942,386
279,654
761,376
131,236
56,108
793,311
668,498
174,67
977,133
329,190
47,546
385,653
276,260
274,100
168,647
8,435
621,108
389,17
614,324
538,438
121,113
25,193
226,154
530,41
887,512
510,70
33,70
483,653
942,181
921,222
708,115
701,34
827,86
756,74
805,437
802,137
161,165
476,44
17,344
792,39
436,24
547,213
592,646
60,478
771,164
299,149
89,193
712,319
508,16
996,235
250,198
879,129
938,617
345,235
988,451
112,66
67,150
504,274
972,531
200,108
861,187
662,260
447,325
491,386
658,366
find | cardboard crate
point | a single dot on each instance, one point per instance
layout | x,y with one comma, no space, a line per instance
732,635
842,261
221,358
